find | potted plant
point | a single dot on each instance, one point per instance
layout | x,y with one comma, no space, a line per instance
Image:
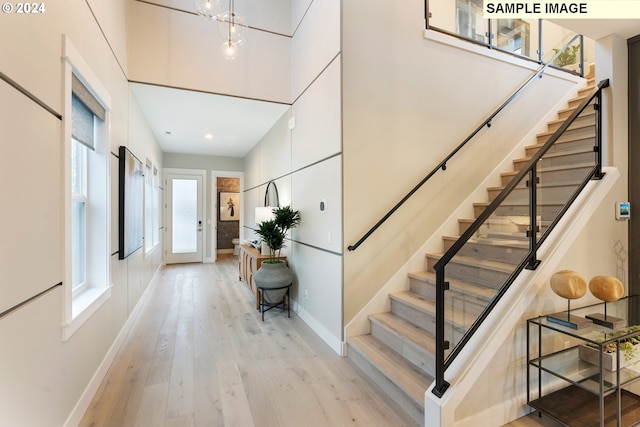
274,273
628,346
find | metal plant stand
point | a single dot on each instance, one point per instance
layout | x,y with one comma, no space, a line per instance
266,306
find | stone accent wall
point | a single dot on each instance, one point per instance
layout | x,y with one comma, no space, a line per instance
227,230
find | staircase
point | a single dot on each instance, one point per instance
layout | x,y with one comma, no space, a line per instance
398,354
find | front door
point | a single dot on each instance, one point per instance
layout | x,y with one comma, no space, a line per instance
184,217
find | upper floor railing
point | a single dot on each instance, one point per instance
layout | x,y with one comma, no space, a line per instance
533,39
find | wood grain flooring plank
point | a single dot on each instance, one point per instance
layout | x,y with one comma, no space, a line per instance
199,355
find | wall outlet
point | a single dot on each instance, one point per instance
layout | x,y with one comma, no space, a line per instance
306,294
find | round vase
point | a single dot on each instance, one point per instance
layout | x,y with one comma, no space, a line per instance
271,276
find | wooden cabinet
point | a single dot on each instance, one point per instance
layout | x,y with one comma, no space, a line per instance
249,263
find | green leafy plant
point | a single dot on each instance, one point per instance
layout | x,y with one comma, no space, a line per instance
567,57
274,231
628,346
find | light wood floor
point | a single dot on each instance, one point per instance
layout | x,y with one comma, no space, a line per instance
198,355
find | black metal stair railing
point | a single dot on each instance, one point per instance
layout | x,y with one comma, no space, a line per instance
486,123
456,317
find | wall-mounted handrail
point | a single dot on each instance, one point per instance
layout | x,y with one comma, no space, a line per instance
443,164
529,261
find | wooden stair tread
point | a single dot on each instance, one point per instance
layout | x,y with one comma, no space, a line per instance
591,112
397,369
572,127
542,184
554,154
468,288
502,267
506,243
553,168
412,333
540,203
415,300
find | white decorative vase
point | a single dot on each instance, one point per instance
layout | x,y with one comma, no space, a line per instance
265,249
272,276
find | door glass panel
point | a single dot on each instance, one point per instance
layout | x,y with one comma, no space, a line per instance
185,216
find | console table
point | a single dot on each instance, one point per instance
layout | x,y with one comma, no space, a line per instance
588,391
250,261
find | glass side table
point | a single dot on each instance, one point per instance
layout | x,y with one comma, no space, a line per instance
579,380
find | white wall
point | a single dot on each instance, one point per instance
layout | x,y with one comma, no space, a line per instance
407,102
208,164
178,49
43,378
306,164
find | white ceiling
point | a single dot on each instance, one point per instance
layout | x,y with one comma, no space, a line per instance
181,120
598,28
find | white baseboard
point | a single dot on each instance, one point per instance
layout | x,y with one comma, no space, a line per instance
334,342
92,388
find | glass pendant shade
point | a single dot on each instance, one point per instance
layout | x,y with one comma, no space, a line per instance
229,49
232,27
209,9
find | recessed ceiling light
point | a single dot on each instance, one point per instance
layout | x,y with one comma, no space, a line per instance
208,136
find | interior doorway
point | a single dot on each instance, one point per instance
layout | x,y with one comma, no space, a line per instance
228,205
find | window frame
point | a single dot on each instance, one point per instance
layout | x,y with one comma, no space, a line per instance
81,197
151,206
80,304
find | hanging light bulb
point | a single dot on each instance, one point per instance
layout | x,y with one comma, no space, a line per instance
209,9
232,27
229,49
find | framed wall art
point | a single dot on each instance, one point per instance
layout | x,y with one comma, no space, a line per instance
229,204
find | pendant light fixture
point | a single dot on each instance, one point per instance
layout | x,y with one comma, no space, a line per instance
231,27
209,9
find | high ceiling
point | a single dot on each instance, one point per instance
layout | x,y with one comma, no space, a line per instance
191,122
182,120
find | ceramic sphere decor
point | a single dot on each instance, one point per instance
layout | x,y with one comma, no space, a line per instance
568,284
606,288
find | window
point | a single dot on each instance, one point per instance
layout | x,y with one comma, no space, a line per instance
78,214
149,217
156,207
152,197
87,194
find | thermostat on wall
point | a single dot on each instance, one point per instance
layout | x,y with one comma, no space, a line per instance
623,210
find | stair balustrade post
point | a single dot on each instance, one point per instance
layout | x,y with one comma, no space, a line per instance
441,344
598,147
532,233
